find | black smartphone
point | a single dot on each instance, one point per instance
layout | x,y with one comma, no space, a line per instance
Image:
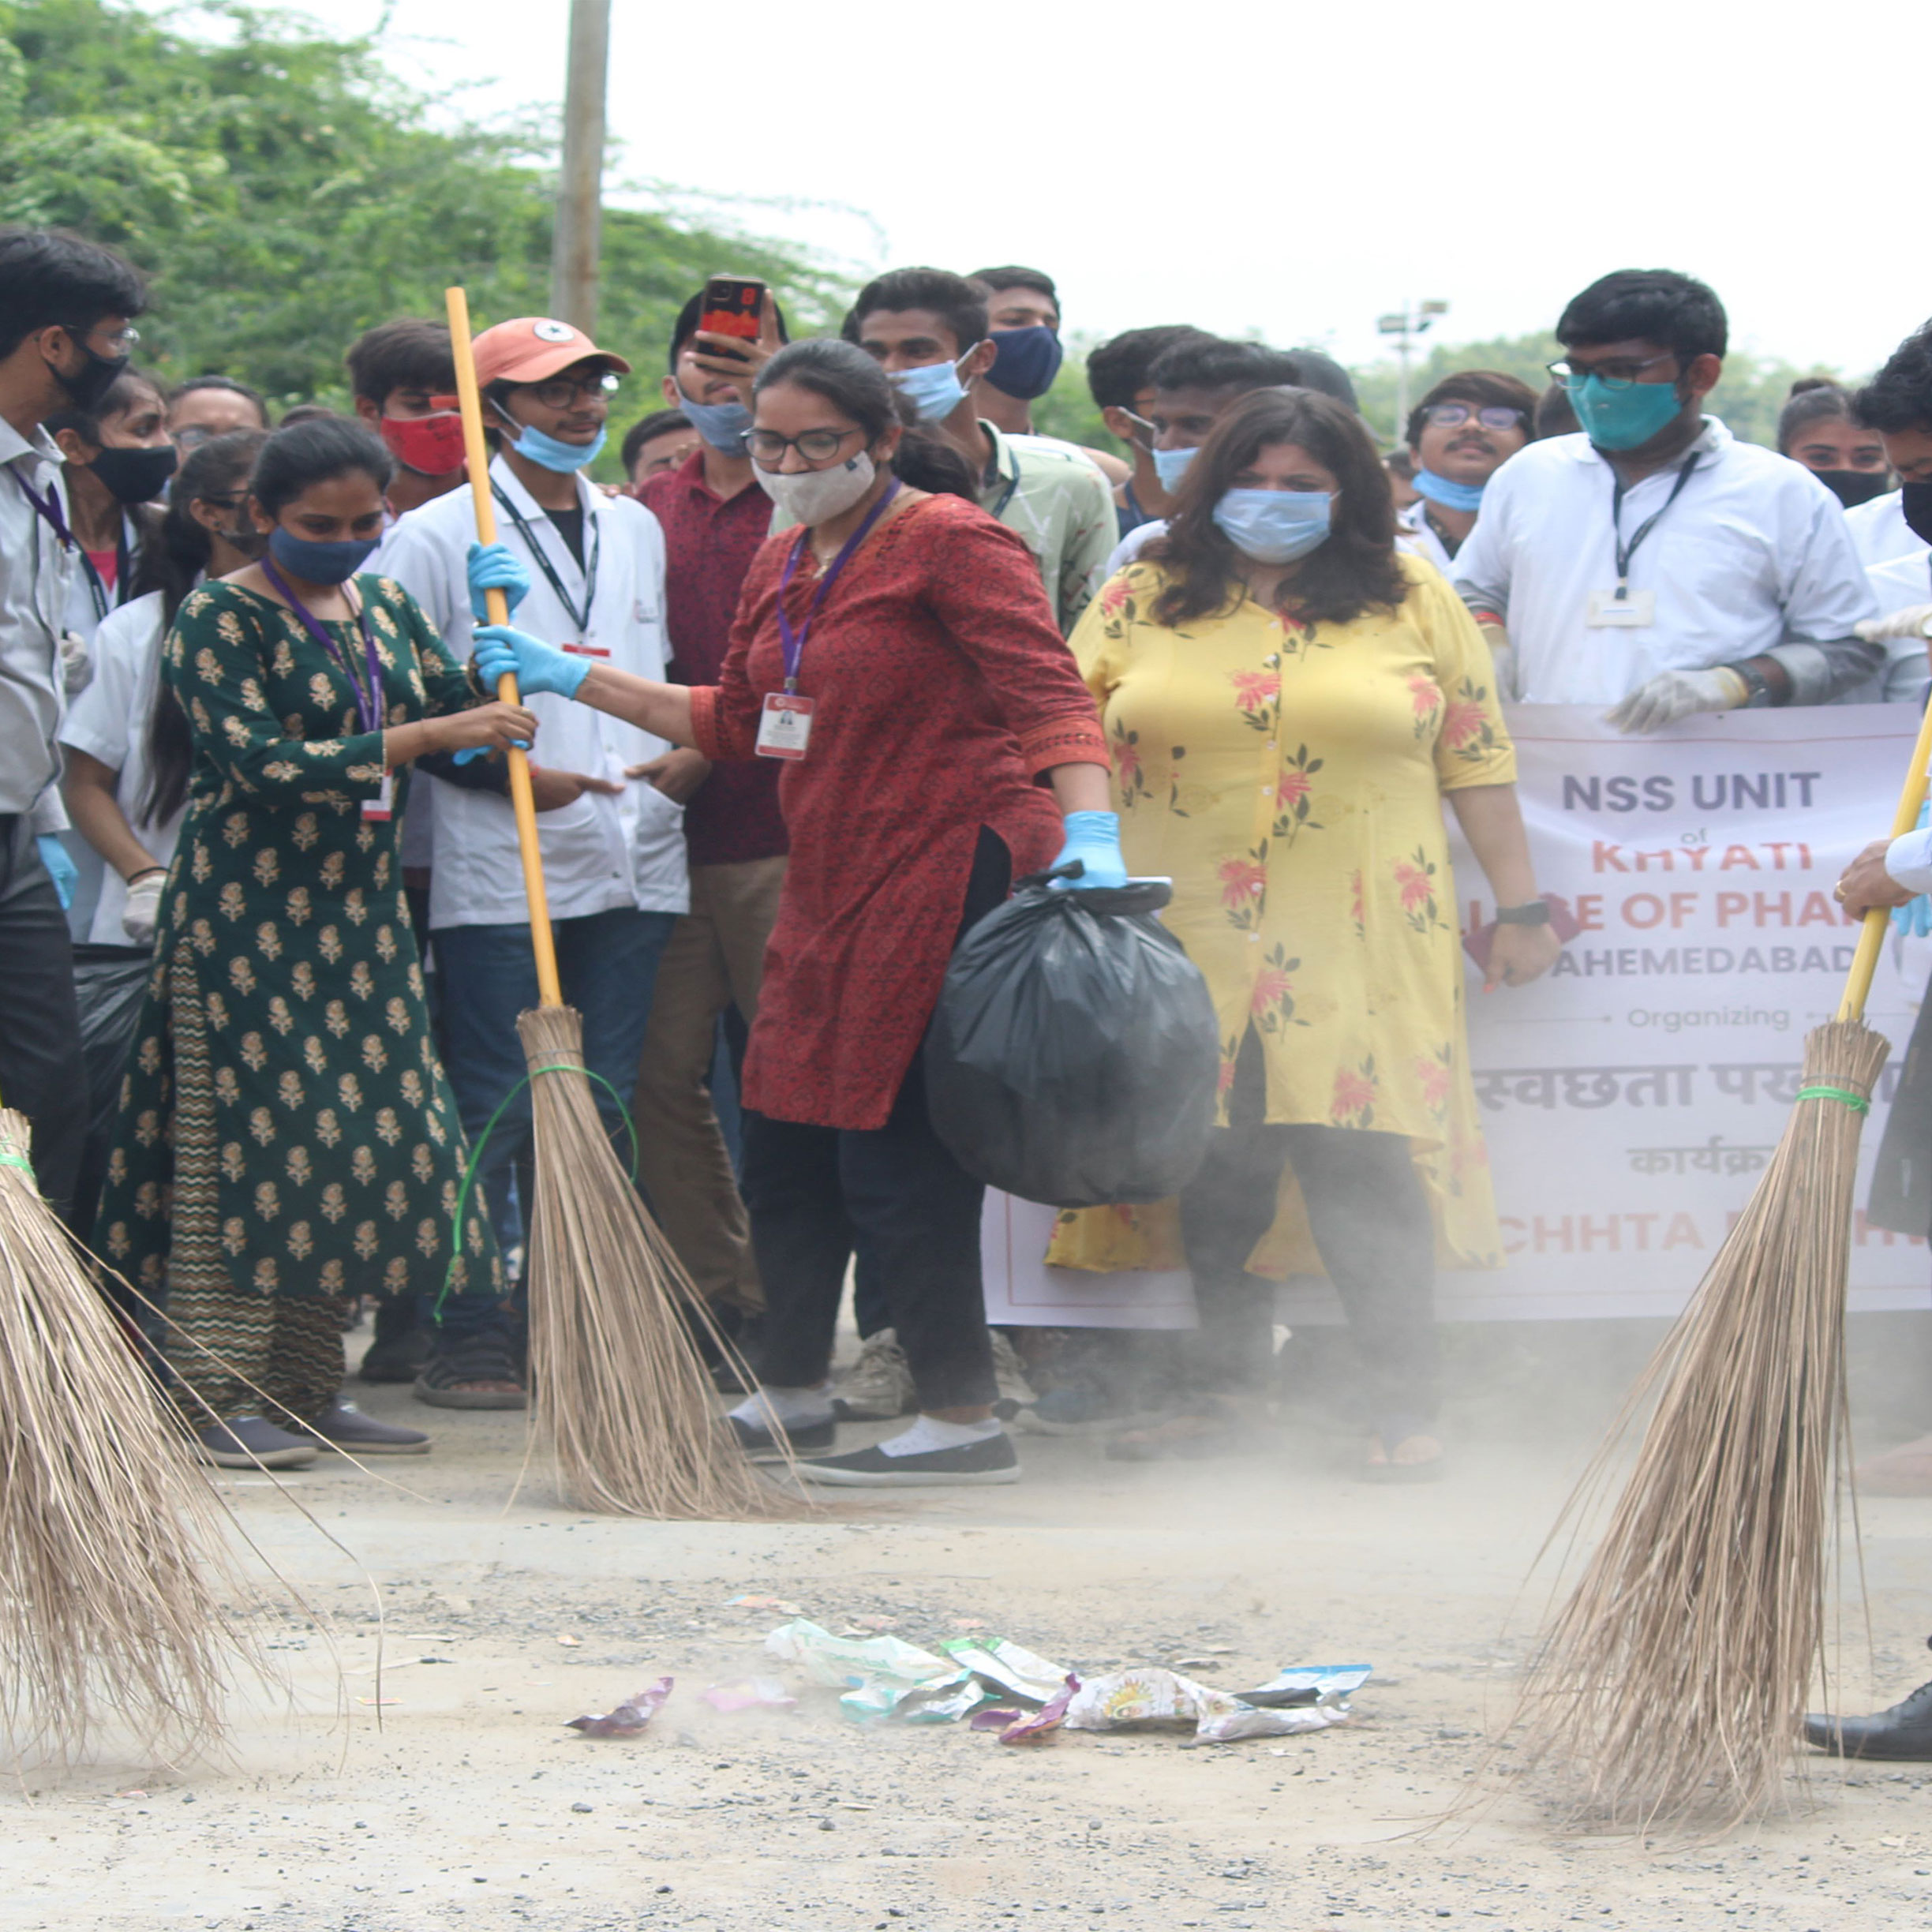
732,306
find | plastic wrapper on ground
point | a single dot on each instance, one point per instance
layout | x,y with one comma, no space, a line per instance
630,1717
875,1674
1125,1700
1008,1667
1311,1683
750,1694
1030,1728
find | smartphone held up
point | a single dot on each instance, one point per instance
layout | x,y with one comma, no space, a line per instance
732,306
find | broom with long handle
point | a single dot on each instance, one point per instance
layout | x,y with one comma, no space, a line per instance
1671,1686
618,1384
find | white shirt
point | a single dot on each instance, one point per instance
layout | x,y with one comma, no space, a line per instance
109,722
1415,533
35,570
1133,543
84,616
1881,535
1754,555
1896,566
599,854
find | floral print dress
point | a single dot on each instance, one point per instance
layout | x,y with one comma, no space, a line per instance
285,1127
1289,780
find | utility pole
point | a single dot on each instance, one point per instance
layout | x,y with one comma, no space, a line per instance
574,258
1412,320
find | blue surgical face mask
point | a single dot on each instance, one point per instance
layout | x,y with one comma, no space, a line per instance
934,390
320,563
1622,419
1274,527
549,453
1452,496
1170,466
1028,359
724,426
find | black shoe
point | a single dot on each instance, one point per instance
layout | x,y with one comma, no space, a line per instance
395,1358
1904,1730
993,1459
252,1442
343,1426
456,1376
762,1446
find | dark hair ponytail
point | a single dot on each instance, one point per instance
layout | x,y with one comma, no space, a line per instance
296,458
172,561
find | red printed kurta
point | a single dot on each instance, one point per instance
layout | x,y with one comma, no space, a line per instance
942,688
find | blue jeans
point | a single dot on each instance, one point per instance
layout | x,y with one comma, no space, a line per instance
608,962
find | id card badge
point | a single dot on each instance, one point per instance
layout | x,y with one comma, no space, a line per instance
383,805
1635,610
785,730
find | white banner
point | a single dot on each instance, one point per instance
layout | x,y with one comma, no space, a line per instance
1631,1099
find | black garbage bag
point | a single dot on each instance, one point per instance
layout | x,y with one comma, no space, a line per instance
109,982
1074,1056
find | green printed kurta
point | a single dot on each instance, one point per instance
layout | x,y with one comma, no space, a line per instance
286,1125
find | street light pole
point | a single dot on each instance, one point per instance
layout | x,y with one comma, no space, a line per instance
574,253
1412,320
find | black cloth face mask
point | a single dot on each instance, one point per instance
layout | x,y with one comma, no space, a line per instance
1853,487
1915,500
100,374
134,476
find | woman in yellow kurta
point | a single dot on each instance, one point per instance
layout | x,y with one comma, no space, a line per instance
1288,702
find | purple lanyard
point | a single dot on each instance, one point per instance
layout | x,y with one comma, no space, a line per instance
369,707
46,508
794,641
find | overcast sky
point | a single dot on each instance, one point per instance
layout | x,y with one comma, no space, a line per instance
1294,171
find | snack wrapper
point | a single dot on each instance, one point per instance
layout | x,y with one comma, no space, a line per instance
875,1674
1325,1684
1008,1667
1125,1699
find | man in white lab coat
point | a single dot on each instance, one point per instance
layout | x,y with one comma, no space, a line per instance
590,572
1653,563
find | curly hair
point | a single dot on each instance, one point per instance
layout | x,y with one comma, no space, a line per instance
1900,396
1356,570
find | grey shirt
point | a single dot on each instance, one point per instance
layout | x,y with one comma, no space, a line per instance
36,573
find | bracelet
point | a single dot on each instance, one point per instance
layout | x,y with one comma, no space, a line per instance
1535,912
134,879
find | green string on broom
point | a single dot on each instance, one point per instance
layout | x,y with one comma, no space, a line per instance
482,1141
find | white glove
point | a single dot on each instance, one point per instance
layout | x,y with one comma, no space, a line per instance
143,910
77,665
1674,694
1914,621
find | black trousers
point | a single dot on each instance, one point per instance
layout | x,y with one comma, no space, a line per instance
42,1072
813,1193
1371,1224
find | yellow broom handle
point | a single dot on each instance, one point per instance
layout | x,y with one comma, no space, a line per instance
476,451
1865,962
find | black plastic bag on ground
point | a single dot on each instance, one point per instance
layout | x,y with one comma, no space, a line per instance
110,983
1074,1055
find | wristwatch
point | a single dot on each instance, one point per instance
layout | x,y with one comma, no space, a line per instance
1535,912
1757,685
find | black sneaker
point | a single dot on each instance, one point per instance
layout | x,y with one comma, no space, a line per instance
395,1358
252,1442
991,1460
1904,1732
762,1446
343,1426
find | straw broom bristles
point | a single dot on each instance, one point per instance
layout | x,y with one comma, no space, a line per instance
617,1383
111,1558
1672,1684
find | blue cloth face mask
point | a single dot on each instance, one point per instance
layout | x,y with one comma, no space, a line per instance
1622,419
934,389
320,563
724,426
1027,362
549,453
1452,496
1170,466
1274,527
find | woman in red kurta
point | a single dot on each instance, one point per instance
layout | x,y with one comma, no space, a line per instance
899,653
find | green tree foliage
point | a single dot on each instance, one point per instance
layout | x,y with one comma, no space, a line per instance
285,192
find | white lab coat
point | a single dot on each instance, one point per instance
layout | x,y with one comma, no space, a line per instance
1753,553
600,854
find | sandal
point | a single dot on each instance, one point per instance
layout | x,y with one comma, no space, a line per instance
1381,1466
479,1372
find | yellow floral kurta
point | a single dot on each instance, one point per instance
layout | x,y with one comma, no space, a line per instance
1290,780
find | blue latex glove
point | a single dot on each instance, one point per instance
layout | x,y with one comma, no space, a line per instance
537,666
60,867
496,568
1913,920
1092,837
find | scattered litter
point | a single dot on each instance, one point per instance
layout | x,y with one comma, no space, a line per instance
750,1694
1029,1728
631,1716
1123,1699
572,1642
764,1602
1010,1669
1314,1683
876,1674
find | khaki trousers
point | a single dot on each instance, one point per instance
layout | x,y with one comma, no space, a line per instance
715,958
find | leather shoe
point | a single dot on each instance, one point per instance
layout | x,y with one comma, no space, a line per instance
1904,1732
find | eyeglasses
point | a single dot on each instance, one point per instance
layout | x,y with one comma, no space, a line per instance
1612,374
560,392
1143,431
121,342
1492,416
816,446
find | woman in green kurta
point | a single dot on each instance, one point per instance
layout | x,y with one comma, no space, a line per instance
286,1136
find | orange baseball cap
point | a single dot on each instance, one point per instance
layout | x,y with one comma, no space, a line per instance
532,348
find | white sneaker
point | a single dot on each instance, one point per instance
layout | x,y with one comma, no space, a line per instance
877,1387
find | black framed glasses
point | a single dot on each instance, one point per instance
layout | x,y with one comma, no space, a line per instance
816,446
1492,415
120,343
1612,374
560,392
